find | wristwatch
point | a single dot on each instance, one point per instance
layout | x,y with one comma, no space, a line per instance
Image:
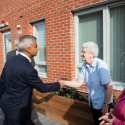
106,104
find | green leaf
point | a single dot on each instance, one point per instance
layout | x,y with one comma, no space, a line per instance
61,90
81,97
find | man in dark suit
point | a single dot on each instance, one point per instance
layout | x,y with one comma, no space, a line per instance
17,81
16,52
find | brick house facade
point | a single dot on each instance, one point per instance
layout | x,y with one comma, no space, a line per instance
58,18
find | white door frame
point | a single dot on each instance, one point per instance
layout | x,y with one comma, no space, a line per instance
5,33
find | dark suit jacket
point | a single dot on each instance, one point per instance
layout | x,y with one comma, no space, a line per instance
17,81
13,53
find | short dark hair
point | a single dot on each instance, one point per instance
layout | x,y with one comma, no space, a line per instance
26,41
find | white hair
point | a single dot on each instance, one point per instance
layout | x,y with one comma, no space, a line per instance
91,48
25,41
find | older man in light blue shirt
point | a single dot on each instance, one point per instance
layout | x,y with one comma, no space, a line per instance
95,75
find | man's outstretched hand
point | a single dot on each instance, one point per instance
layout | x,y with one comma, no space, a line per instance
61,82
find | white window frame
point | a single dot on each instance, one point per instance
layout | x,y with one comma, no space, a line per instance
41,74
106,37
5,33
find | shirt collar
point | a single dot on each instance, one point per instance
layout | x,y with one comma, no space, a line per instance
93,63
25,56
17,52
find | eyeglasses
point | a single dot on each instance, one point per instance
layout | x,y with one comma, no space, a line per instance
83,52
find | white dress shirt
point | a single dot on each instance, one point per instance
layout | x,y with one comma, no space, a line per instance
25,56
17,52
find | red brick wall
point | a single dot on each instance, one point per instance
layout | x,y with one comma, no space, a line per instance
1,54
59,23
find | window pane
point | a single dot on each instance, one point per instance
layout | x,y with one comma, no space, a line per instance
41,68
117,43
41,41
91,29
78,71
8,43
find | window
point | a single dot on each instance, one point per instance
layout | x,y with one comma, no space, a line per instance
117,43
7,43
105,26
40,59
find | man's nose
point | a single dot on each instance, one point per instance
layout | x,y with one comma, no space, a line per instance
81,54
38,47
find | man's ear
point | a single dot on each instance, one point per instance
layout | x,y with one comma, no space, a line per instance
92,54
28,49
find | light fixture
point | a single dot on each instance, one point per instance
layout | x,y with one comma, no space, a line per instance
18,26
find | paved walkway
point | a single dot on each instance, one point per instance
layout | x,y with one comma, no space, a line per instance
37,118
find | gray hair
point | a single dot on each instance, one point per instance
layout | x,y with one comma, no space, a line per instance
91,48
26,41
16,42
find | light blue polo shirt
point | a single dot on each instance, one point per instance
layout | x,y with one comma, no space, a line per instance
95,77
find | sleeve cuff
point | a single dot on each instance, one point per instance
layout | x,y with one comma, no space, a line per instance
58,86
117,122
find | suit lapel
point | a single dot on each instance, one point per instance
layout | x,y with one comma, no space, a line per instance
14,52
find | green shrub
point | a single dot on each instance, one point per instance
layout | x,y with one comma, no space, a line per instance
56,93
115,98
70,92
81,97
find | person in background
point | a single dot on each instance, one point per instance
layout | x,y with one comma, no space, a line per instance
94,73
17,81
16,51
117,116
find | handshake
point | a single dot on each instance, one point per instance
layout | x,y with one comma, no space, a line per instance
62,82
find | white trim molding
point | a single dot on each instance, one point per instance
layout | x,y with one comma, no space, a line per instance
5,33
38,63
